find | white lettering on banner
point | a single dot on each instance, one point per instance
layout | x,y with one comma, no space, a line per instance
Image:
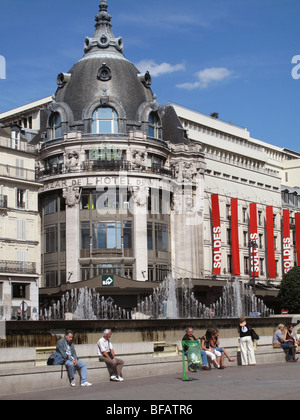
287,264
254,254
217,246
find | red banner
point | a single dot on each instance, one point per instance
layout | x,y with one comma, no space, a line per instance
254,239
216,224
235,238
286,242
297,232
270,243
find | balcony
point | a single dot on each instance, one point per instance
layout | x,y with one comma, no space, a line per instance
103,166
17,172
17,267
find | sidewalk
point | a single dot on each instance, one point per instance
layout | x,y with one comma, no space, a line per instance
263,382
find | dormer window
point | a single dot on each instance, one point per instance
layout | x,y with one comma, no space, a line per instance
105,121
55,126
154,125
15,139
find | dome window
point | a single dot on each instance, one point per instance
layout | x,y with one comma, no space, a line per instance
145,79
154,125
55,126
105,121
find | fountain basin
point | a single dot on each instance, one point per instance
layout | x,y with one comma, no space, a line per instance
47,333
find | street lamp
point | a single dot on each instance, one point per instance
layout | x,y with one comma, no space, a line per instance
253,245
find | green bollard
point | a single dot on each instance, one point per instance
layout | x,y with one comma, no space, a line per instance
184,378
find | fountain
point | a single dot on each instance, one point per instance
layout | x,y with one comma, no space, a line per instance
172,299
84,304
167,302
238,299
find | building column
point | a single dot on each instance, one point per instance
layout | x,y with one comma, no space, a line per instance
72,197
187,234
138,205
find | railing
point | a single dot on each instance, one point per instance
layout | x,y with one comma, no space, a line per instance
20,145
103,165
17,172
17,267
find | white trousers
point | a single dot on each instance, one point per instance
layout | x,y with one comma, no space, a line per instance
211,355
247,351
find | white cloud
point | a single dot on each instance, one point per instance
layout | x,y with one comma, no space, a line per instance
158,69
206,77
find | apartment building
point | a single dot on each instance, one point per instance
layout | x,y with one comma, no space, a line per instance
20,255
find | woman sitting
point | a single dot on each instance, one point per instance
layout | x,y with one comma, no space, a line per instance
213,354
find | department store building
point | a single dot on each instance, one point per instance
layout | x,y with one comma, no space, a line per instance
135,190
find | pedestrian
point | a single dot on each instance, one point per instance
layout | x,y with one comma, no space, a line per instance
190,337
106,354
66,349
247,349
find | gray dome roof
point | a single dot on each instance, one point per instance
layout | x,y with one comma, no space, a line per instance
85,86
103,72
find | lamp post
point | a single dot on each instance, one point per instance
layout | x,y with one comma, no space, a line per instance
253,245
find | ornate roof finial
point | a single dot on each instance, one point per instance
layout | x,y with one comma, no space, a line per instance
103,16
103,37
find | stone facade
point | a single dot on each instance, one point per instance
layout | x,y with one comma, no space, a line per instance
20,262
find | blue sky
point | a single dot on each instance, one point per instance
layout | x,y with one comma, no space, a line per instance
233,57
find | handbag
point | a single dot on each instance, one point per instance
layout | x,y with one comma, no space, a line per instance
254,336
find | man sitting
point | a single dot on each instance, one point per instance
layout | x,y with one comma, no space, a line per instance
190,337
66,349
106,354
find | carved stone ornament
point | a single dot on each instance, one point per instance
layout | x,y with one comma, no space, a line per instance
71,195
104,73
183,171
188,171
138,159
140,195
72,160
177,201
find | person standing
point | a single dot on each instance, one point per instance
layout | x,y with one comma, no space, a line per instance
66,349
247,349
106,354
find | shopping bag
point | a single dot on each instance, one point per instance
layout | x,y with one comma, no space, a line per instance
194,356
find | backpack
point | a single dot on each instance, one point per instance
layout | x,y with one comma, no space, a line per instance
55,359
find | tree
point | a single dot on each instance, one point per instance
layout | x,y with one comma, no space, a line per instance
289,293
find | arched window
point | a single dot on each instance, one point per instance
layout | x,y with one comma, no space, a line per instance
154,123
55,126
105,121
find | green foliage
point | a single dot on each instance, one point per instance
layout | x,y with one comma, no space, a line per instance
289,294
